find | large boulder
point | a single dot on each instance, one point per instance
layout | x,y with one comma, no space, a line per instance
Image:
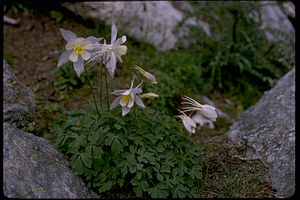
18,102
151,22
276,22
267,132
33,168
154,22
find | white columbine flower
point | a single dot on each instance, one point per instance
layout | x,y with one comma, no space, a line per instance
188,123
127,98
111,52
199,119
147,75
77,50
207,111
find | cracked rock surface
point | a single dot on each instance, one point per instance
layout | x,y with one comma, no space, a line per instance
267,131
32,167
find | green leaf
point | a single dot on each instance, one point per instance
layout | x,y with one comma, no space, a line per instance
139,175
138,191
78,165
86,158
109,139
106,186
162,193
106,129
97,163
120,182
97,152
150,157
118,127
116,146
153,192
165,168
93,138
88,173
114,172
159,177
144,185
88,150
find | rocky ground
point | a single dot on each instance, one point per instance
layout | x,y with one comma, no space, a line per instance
32,49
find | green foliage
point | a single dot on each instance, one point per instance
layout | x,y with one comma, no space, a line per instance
15,6
58,16
152,157
237,58
66,76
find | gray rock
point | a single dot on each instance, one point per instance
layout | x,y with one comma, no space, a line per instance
32,168
267,131
18,102
152,22
274,19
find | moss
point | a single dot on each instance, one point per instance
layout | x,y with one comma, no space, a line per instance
31,127
37,189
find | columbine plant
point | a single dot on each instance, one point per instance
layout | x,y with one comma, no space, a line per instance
112,153
127,98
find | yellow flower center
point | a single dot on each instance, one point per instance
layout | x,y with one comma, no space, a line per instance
79,49
125,98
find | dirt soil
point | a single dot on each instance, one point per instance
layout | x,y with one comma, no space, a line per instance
32,49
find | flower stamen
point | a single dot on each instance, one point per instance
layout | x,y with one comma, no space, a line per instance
79,49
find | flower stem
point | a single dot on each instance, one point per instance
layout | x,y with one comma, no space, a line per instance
106,90
101,66
136,125
91,89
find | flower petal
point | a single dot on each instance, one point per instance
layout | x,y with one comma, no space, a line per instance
73,57
115,102
64,58
70,46
68,35
78,66
111,64
85,55
126,92
123,103
139,102
125,110
120,41
209,112
113,33
137,90
131,101
118,92
189,124
120,50
93,39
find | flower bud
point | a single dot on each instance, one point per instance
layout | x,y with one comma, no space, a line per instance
149,95
147,75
